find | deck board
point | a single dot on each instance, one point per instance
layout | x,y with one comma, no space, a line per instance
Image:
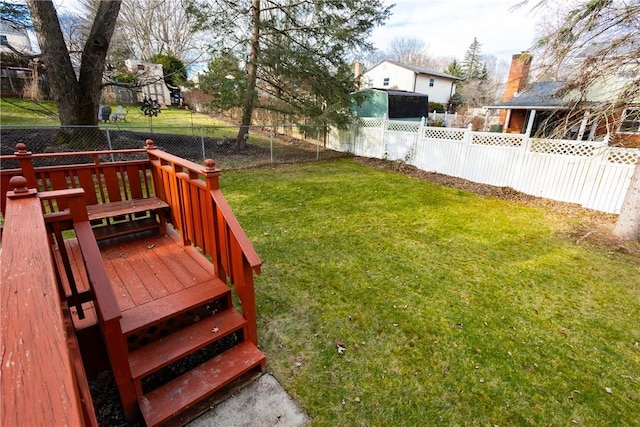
147,268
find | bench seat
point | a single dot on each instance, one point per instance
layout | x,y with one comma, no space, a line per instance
120,209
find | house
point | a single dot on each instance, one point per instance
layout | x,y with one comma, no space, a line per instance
151,78
392,104
394,75
537,108
17,38
17,70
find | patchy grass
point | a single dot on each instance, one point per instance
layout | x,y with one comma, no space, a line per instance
17,111
452,308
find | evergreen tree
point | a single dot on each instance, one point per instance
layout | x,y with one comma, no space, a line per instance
297,53
454,69
175,72
471,64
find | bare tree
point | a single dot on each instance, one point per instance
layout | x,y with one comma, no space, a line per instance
77,96
409,51
595,49
168,27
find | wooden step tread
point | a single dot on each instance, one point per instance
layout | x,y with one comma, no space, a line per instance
167,401
124,207
123,228
160,309
161,353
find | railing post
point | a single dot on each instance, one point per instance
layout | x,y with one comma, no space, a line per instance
26,164
212,228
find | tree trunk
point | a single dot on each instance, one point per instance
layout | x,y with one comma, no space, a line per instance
77,98
628,225
252,71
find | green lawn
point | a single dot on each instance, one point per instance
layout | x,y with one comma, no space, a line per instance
452,309
15,111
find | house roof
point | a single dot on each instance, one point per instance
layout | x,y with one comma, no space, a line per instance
538,95
420,70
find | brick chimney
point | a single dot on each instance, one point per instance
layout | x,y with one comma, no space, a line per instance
518,79
518,74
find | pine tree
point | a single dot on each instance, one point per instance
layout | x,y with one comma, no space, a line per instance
471,64
454,69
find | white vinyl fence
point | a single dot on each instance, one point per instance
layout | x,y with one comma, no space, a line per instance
591,174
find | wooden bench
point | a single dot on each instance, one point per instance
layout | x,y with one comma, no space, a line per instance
114,219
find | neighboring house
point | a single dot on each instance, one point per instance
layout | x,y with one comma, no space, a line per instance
397,76
151,77
17,71
393,104
536,108
18,39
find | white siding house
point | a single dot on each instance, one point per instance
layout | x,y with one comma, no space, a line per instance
151,77
395,75
17,38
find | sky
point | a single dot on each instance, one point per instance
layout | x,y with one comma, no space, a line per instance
448,26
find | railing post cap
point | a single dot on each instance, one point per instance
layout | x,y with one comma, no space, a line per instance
149,145
210,164
19,188
21,149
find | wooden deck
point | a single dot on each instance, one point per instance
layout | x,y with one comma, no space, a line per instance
141,268
146,277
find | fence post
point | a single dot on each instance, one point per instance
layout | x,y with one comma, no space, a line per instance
204,155
109,142
417,142
26,164
383,142
271,143
464,153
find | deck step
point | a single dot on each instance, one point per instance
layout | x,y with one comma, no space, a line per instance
165,402
161,309
161,353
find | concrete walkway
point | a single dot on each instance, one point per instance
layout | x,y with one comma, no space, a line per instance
263,403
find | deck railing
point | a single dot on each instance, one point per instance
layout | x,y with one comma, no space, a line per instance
198,210
42,382
203,217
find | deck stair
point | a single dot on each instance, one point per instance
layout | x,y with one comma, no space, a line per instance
175,328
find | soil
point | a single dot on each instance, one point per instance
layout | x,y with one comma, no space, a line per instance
575,223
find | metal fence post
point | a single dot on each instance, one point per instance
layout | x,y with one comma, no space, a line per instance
204,155
109,142
271,143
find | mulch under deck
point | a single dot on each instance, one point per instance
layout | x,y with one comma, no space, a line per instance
142,268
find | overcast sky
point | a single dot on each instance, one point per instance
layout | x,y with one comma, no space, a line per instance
449,26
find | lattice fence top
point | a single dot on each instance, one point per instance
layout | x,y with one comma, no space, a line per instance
497,139
566,148
373,122
451,134
403,126
623,156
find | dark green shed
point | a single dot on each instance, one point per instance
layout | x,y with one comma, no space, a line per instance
395,104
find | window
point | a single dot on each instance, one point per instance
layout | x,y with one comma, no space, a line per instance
630,121
3,39
432,81
140,67
385,81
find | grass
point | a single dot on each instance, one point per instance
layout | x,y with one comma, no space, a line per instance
16,111
453,309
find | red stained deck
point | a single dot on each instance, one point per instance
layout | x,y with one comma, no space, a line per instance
155,245
142,269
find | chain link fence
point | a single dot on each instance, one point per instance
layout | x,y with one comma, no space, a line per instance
263,145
